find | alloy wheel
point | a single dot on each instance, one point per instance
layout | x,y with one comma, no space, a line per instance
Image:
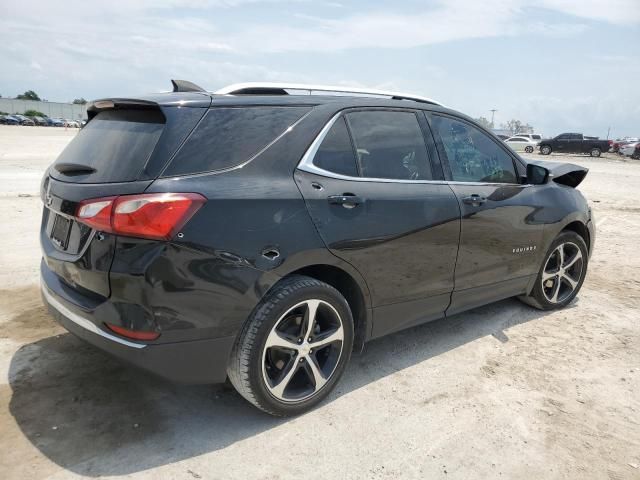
302,351
562,272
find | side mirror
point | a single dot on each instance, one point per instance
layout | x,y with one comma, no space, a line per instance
537,175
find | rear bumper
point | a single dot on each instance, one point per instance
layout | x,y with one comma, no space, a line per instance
197,361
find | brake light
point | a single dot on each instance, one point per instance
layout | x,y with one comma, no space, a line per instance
96,213
133,334
157,216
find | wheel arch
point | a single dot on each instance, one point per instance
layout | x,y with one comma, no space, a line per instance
350,289
581,229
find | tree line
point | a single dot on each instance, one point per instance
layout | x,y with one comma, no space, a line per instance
31,95
513,125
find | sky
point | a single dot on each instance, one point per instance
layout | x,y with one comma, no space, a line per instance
560,65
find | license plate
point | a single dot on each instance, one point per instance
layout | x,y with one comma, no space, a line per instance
60,232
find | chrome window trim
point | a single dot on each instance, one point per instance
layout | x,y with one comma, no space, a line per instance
306,165
83,322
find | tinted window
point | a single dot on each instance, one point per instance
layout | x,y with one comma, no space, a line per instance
116,143
229,136
473,156
389,145
336,152
564,136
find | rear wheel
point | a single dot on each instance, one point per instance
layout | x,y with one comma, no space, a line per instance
528,149
595,152
562,273
294,347
545,150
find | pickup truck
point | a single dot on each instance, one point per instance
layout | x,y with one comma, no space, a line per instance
574,143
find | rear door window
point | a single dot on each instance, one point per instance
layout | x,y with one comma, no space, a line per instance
336,152
389,145
227,137
115,146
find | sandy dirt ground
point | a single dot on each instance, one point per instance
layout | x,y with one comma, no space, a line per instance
503,391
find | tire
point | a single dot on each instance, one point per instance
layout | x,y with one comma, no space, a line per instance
555,288
545,150
528,149
595,152
275,347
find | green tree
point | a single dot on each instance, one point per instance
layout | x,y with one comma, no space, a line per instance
484,122
28,95
80,101
33,113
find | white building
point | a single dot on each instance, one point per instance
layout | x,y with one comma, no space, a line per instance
50,109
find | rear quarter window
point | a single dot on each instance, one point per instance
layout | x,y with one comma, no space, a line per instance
227,137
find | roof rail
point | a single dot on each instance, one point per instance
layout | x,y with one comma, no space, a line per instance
271,88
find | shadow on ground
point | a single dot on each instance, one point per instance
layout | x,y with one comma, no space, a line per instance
95,416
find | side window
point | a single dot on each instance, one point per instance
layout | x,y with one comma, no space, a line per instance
389,144
472,155
336,152
564,136
229,136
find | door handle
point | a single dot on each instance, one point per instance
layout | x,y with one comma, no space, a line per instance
474,199
347,200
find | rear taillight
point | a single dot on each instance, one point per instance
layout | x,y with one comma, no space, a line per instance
151,215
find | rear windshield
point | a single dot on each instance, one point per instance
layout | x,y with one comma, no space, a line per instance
230,136
115,144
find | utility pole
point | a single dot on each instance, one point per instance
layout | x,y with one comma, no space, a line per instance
608,131
493,111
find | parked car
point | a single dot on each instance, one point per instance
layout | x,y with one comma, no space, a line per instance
636,152
71,124
9,120
24,120
56,122
628,149
502,137
252,234
621,142
40,121
522,144
574,143
533,136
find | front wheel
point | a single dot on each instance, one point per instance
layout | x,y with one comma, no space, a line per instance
595,152
562,273
294,348
545,150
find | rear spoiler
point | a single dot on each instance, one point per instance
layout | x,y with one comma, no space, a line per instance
564,173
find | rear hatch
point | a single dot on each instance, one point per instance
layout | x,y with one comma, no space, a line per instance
122,149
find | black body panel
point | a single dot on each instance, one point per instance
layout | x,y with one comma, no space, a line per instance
403,238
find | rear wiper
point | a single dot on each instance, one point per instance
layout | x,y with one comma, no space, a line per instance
73,168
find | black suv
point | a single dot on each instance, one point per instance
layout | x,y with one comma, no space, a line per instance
264,235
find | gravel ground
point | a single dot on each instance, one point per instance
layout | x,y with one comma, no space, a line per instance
500,391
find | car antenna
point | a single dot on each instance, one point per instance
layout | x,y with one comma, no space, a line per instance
186,86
